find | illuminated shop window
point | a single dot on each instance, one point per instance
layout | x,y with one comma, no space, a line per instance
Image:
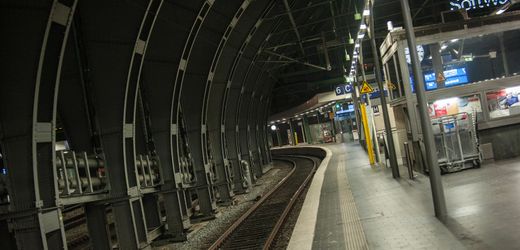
503,102
468,60
451,106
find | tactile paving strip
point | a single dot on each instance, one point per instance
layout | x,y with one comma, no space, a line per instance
352,228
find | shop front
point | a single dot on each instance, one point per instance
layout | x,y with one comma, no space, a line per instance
471,74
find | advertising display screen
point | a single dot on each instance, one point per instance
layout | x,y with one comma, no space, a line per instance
429,80
346,112
454,76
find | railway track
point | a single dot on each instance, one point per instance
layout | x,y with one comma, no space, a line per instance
258,227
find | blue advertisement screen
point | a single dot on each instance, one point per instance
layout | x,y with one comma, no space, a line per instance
454,81
453,77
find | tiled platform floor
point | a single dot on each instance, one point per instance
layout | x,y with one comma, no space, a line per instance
483,205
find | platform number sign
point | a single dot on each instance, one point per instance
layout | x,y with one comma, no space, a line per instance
339,90
348,88
343,89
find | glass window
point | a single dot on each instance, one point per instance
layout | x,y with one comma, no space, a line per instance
451,106
503,102
457,62
392,78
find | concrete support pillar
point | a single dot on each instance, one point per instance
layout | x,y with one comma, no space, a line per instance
306,128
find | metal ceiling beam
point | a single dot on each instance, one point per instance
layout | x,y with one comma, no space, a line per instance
325,51
420,9
274,61
314,23
333,17
293,43
293,23
295,60
300,9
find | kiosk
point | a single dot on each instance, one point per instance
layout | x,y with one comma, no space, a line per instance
470,69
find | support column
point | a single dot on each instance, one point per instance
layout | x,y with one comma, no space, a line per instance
437,63
291,129
503,53
278,137
306,128
372,127
439,201
386,117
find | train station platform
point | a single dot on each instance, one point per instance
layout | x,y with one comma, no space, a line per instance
353,205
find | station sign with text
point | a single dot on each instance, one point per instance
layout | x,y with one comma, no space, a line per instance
476,4
343,89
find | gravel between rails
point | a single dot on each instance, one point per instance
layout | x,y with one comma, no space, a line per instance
211,230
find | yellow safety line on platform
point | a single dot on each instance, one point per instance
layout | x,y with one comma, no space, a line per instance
368,139
353,232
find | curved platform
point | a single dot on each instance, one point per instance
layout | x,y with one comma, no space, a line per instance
352,205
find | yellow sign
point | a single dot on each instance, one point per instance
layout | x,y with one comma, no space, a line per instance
365,88
440,77
364,120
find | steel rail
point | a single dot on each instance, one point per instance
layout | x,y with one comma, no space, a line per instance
272,235
289,207
242,218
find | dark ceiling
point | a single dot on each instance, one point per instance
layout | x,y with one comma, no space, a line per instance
328,22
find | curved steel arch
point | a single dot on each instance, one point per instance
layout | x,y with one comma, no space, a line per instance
193,84
110,53
259,119
252,120
243,94
157,89
222,181
27,131
242,149
182,157
215,118
229,130
132,145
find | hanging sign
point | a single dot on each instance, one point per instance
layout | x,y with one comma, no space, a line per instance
365,88
343,89
339,90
